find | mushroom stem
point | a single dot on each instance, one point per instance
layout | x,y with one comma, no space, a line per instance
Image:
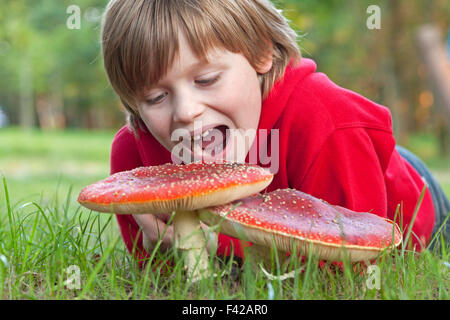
189,238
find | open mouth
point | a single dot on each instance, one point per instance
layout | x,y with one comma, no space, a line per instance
212,141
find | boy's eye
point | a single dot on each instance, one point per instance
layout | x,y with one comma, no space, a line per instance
157,99
207,81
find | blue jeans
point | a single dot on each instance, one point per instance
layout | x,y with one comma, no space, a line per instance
440,201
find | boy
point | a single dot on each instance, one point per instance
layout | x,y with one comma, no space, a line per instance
229,67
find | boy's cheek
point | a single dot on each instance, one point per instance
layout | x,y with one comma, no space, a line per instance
159,128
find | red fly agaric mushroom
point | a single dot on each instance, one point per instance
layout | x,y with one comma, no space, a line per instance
180,188
290,218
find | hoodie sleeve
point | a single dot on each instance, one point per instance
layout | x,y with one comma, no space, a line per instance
348,172
125,156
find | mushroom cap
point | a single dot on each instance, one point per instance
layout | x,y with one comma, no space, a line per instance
171,187
290,218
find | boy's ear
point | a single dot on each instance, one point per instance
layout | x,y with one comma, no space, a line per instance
266,63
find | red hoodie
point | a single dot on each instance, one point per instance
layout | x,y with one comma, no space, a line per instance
333,144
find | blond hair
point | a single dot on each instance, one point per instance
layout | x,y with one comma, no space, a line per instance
140,40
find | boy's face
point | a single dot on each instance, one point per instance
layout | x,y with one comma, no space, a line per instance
194,97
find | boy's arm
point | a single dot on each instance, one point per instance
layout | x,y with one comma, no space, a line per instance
125,156
155,228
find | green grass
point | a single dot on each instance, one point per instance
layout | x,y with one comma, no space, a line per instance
426,147
44,233
39,163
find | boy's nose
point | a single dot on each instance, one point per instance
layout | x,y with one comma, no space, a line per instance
186,110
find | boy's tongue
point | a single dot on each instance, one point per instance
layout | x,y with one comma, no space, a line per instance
214,140
211,137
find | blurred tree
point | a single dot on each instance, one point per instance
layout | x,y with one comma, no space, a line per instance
53,73
18,38
383,64
59,73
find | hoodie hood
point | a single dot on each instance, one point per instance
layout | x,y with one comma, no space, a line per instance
274,104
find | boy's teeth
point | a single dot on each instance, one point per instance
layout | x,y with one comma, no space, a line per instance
205,134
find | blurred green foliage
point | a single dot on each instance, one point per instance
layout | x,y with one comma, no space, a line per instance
67,72
64,61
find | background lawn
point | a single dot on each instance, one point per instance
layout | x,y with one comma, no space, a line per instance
37,163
